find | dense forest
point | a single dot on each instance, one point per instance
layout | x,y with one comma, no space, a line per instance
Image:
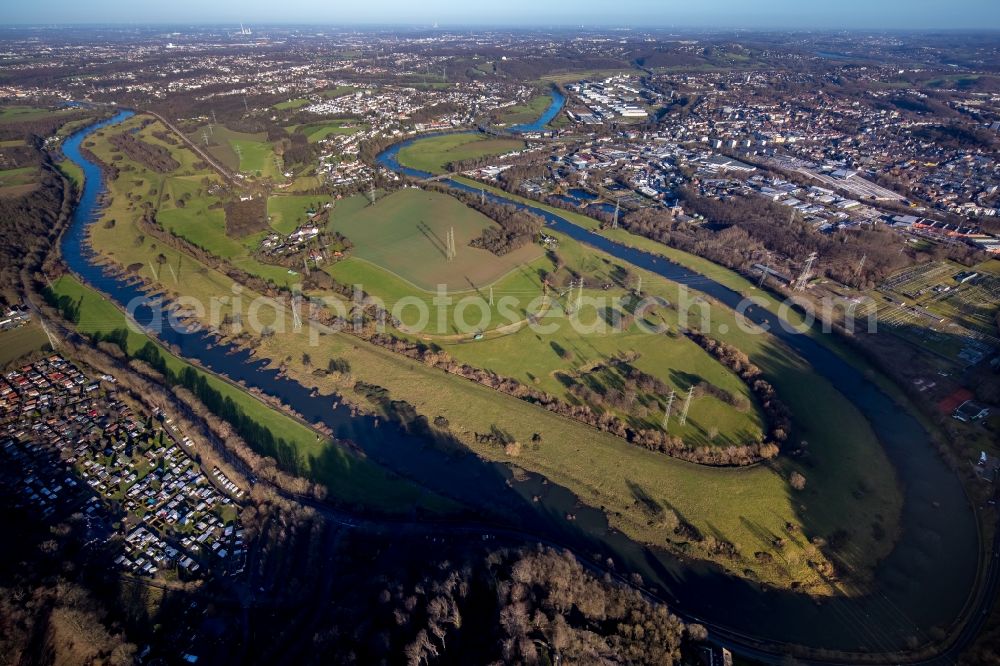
27,229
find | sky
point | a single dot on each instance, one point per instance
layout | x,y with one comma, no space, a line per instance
827,14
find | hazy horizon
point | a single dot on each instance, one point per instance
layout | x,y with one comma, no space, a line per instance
635,14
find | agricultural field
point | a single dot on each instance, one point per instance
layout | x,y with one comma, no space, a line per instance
16,182
292,104
404,235
13,114
435,152
21,341
249,154
288,212
321,130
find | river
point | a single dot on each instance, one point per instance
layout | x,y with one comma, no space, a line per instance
923,583
555,106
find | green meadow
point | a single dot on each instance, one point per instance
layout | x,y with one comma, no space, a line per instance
405,234
288,212
435,152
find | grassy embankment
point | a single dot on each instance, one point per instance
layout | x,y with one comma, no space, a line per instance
851,486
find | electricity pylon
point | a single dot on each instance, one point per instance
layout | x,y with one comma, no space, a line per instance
450,250
52,339
806,272
766,270
666,414
687,406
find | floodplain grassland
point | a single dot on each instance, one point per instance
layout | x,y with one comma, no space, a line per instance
186,209
348,476
858,464
527,112
401,297
249,154
72,172
566,353
433,153
405,234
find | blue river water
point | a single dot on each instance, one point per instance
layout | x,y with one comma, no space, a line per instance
558,100
922,584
